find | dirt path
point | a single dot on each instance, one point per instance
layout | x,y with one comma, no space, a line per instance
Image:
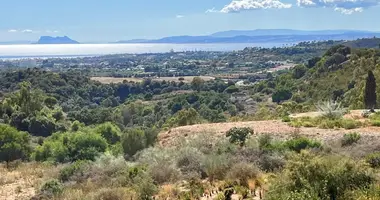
276,128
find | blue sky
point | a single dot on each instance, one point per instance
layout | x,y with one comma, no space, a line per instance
112,20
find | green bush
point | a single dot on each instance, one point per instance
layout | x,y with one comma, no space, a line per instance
375,122
350,123
298,144
76,168
68,147
133,140
52,187
13,144
308,176
109,131
373,160
286,119
350,138
239,135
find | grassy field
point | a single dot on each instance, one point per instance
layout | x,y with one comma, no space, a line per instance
108,80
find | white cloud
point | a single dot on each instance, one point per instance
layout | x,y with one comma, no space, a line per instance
27,31
179,16
12,31
240,5
212,10
349,11
344,6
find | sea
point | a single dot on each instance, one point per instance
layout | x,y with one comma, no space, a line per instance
80,50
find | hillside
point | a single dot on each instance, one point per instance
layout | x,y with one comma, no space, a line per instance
291,134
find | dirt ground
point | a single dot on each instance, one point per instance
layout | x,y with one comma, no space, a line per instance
277,129
108,80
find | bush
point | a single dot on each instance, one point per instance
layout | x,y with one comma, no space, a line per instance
301,143
265,142
373,160
133,140
109,131
350,123
350,138
77,168
144,186
13,144
239,135
113,194
308,176
286,119
66,147
375,122
216,166
242,172
330,109
52,188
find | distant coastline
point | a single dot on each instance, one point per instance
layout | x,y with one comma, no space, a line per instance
80,50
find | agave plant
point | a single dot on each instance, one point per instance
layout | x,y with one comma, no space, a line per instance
330,109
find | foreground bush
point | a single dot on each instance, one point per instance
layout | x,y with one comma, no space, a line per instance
239,135
13,144
373,160
307,176
350,139
68,147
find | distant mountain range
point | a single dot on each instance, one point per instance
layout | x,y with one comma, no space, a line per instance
56,40
263,36
233,36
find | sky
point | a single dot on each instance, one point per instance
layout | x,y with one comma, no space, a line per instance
113,20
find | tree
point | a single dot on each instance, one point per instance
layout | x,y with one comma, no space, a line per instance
239,135
13,144
197,83
133,140
370,92
281,95
109,131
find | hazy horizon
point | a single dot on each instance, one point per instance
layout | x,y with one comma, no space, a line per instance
104,21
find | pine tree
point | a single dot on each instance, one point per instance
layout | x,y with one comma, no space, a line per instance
370,92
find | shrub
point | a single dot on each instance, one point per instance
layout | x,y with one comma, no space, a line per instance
216,166
286,119
239,135
77,168
373,160
144,187
308,176
109,131
330,109
52,187
86,146
350,123
133,140
188,161
242,172
66,147
113,194
375,122
265,142
13,144
350,138
301,143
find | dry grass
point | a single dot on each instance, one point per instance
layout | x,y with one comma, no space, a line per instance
23,181
108,80
277,129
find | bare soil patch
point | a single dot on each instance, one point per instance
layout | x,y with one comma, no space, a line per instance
276,128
